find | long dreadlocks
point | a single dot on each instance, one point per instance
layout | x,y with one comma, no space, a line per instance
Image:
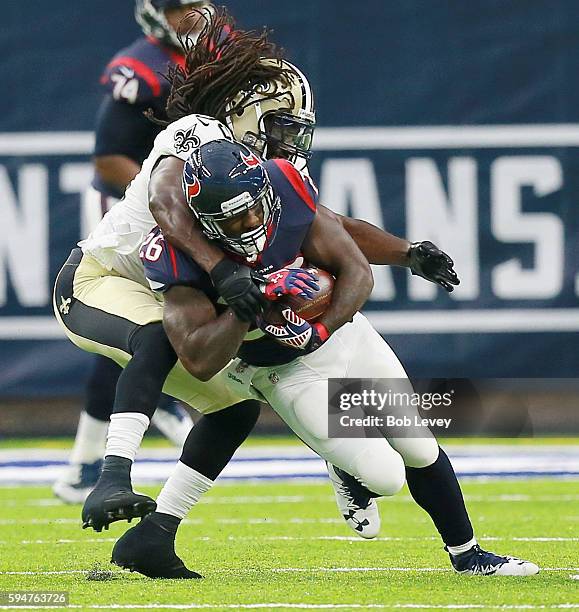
223,69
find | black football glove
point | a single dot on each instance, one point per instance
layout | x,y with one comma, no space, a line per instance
236,284
428,261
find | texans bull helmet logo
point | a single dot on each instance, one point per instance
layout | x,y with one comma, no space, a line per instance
251,161
191,184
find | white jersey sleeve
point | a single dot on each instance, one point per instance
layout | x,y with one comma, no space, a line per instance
116,240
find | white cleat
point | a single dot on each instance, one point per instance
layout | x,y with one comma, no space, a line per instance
358,508
479,562
174,422
77,482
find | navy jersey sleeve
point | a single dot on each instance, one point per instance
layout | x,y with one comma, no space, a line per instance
166,267
122,129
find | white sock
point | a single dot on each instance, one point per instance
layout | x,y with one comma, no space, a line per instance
182,491
89,444
458,550
126,433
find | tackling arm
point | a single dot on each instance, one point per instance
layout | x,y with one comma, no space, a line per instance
330,247
204,341
169,208
379,247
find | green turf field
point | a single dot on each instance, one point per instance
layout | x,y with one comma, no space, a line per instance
261,546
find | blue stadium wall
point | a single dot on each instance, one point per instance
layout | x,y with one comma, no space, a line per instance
445,120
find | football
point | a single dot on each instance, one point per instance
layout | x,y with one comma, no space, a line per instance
309,309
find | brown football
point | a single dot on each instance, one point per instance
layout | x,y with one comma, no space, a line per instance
310,310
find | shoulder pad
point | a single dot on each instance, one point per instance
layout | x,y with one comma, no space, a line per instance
132,81
182,137
300,184
134,74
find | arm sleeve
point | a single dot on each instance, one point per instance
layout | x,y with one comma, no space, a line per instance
122,129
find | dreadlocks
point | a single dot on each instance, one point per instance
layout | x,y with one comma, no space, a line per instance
222,64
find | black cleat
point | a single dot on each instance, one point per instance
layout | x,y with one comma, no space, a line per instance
108,503
479,562
149,549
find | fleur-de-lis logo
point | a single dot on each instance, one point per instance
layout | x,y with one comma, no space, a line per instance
64,305
186,141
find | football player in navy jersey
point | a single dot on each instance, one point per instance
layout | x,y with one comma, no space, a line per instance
266,213
286,134
133,83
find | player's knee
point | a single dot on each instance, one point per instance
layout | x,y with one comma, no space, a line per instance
238,419
313,419
381,472
419,452
151,342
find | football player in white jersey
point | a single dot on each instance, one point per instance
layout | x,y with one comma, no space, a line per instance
110,288
131,81
432,484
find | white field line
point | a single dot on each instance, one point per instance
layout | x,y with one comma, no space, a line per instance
296,521
194,521
291,451
304,606
281,570
227,501
353,539
56,572
295,499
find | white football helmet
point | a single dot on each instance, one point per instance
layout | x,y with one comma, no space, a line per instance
284,115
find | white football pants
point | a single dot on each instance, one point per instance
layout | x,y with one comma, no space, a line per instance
298,392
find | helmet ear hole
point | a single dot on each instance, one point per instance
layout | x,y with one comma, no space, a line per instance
268,122
223,179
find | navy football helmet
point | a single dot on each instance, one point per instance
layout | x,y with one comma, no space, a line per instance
150,15
223,180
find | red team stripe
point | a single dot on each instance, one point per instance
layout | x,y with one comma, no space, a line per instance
296,181
142,70
173,260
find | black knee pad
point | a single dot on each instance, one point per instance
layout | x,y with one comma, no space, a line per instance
238,419
101,388
140,384
152,341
